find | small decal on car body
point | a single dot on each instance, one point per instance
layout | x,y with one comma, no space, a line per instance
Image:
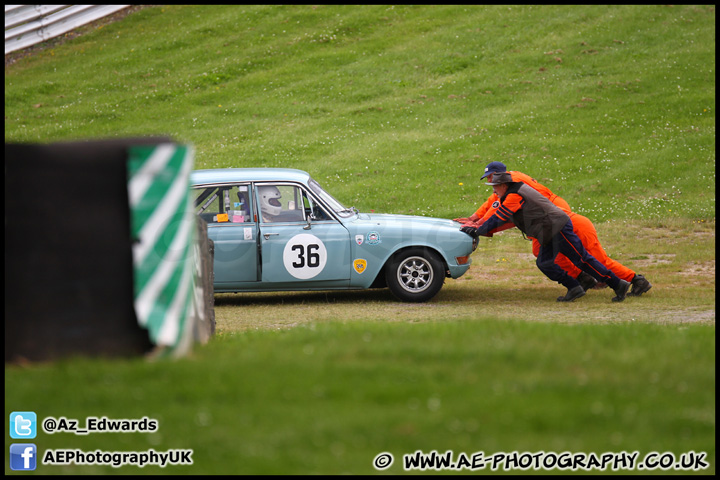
359,264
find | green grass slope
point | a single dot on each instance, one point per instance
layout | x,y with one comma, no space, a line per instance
398,108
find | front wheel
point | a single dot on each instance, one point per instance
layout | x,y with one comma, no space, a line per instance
415,275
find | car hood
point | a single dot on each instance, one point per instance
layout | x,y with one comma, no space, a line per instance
385,219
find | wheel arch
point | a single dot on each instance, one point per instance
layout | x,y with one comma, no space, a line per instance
426,247
379,280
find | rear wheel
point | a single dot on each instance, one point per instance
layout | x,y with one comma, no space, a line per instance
415,275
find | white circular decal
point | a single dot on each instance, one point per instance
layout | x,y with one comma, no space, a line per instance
304,256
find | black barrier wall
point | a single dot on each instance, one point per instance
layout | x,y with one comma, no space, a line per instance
68,254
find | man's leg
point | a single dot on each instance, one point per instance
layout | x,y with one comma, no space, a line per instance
571,246
546,263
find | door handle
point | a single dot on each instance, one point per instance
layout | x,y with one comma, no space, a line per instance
267,235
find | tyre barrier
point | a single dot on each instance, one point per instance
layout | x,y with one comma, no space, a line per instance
86,243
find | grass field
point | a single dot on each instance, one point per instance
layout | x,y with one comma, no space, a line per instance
397,109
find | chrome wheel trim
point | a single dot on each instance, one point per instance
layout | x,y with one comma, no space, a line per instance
415,274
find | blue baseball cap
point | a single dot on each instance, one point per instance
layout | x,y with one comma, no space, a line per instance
494,167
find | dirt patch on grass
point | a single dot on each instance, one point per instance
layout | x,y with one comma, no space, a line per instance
702,269
654,259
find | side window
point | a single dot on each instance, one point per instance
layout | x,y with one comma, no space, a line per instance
314,210
241,208
224,204
280,203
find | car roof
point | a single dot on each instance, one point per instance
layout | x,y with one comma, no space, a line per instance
221,175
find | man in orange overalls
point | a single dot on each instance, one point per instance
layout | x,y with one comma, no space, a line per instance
539,218
582,226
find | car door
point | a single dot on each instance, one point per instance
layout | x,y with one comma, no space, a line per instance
229,211
295,252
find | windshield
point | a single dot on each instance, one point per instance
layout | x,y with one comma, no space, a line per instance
330,200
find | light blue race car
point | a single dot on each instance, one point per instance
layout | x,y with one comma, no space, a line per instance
277,229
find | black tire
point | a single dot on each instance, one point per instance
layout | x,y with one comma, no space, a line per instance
415,275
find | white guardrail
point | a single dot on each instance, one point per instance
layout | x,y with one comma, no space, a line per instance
27,25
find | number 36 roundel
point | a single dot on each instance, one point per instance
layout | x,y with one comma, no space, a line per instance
304,256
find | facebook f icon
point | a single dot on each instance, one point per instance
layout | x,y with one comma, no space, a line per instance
23,456
23,425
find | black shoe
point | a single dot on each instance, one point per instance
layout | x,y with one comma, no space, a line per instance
640,285
586,281
621,291
572,294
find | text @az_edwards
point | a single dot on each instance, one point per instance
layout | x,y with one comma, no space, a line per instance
52,425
